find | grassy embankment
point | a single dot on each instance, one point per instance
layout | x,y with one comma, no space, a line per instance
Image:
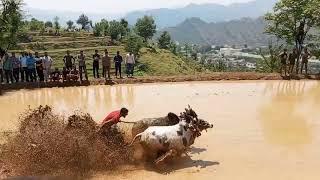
151,62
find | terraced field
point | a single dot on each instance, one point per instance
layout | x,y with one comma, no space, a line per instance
56,46
152,62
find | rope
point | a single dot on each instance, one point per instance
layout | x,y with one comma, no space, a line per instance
127,122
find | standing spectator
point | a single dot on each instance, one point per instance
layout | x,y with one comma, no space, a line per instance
96,59
106,63
130,61
305,58
292,59
117,61
47,64
39,67
82,65
1,68
31,64
24,68
7,66
16,66
283,58
68,61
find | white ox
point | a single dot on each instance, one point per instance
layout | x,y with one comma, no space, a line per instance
171,140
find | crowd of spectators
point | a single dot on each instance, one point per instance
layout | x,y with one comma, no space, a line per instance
32,67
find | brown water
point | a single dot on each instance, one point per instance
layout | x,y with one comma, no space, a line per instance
263,130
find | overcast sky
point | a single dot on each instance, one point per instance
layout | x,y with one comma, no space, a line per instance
116,6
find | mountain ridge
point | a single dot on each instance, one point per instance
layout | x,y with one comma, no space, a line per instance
209,12
235,32
166,17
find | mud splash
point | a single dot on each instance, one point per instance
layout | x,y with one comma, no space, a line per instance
48,144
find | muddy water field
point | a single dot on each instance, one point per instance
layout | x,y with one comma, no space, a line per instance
262,130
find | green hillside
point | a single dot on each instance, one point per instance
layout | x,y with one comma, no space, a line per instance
164,63
157,62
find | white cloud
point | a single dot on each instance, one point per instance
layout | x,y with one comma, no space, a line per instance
116,6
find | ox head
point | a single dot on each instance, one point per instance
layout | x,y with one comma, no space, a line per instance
194,124
203,125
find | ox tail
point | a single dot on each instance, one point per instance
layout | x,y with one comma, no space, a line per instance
135,138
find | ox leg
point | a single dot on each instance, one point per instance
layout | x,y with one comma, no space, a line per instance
186,151
168,154
147,153
179,154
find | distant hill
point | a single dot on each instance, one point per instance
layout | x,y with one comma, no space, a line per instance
236,32
168,17
207,12
64,16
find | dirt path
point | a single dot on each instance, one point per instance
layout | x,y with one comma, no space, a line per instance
154,79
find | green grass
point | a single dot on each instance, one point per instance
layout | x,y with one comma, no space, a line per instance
164,63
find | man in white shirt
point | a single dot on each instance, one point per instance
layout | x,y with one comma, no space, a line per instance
24,69
47,63
130,62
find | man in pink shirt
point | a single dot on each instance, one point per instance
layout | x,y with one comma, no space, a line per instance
114,118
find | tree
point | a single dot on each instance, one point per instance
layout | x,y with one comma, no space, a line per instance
83,21
194,56
70,24
105,25
125,26
97,30
115,29
221,65
187,50
56,25
173,48
48,24
270,63
146,27
10,22
134,43
291,20
101,28
164,40
36,25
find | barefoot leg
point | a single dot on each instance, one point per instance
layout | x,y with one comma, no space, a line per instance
170,153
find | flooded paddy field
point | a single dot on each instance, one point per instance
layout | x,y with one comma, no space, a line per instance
262,129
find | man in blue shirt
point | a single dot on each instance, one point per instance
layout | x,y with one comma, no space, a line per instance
31,65
24,68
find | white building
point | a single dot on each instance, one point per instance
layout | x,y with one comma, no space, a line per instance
229,51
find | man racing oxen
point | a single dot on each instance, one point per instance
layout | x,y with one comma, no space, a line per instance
113,118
